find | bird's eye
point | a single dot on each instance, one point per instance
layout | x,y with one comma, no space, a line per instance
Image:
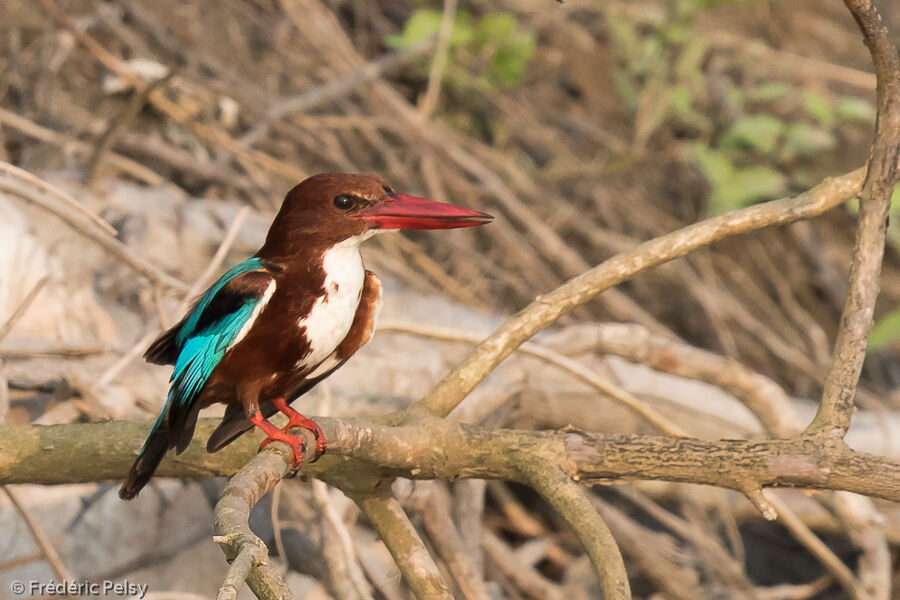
344,202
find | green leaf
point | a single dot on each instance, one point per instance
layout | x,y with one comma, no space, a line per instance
819,108
856,109
802,139
510,61
651,58
886,330
715,165
425,22
771,91
759,133
893,230
495,26
689,66
624,36
624,86
422,23
746,186
681,100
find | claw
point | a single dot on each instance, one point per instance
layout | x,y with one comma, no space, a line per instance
295,419
295,442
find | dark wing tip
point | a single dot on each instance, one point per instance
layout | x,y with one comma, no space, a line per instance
164,350
143,468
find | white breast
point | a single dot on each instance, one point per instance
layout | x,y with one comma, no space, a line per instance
332,315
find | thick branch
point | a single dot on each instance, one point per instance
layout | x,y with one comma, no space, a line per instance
435,449
485,357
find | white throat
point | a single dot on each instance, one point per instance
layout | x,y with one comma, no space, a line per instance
331,316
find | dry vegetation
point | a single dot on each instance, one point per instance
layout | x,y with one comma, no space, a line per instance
588,129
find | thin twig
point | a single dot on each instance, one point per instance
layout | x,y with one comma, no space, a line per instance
22,307
114,370
89,228
436,72
335,89
41,540
218,258
765,398
435,505
817,547
866,527
348,564
569,365
277,526
58,194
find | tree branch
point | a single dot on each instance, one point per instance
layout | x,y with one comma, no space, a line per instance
448,543
248,554
545,309
435,449
48,198
570,500
836,409
405,545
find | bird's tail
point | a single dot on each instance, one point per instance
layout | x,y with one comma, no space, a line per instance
148,459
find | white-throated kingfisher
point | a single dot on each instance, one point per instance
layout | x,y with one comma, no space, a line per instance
278,323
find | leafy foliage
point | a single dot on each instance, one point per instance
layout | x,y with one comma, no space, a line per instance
755,133
749,139
502,45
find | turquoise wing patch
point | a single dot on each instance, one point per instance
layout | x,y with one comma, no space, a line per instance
208,332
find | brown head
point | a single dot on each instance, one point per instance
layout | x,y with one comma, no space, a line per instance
329,208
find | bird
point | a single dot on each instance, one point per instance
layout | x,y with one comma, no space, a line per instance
273,326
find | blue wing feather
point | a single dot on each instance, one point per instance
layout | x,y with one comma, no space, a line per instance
193,319
206,334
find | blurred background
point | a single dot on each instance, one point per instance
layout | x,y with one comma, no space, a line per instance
585,128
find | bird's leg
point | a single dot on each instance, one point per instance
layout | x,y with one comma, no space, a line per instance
295,442
295,419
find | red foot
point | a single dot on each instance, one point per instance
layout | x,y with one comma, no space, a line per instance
295,419
295,442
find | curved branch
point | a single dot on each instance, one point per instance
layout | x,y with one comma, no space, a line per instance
405,546
571,501
545,309
836,409
87,225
